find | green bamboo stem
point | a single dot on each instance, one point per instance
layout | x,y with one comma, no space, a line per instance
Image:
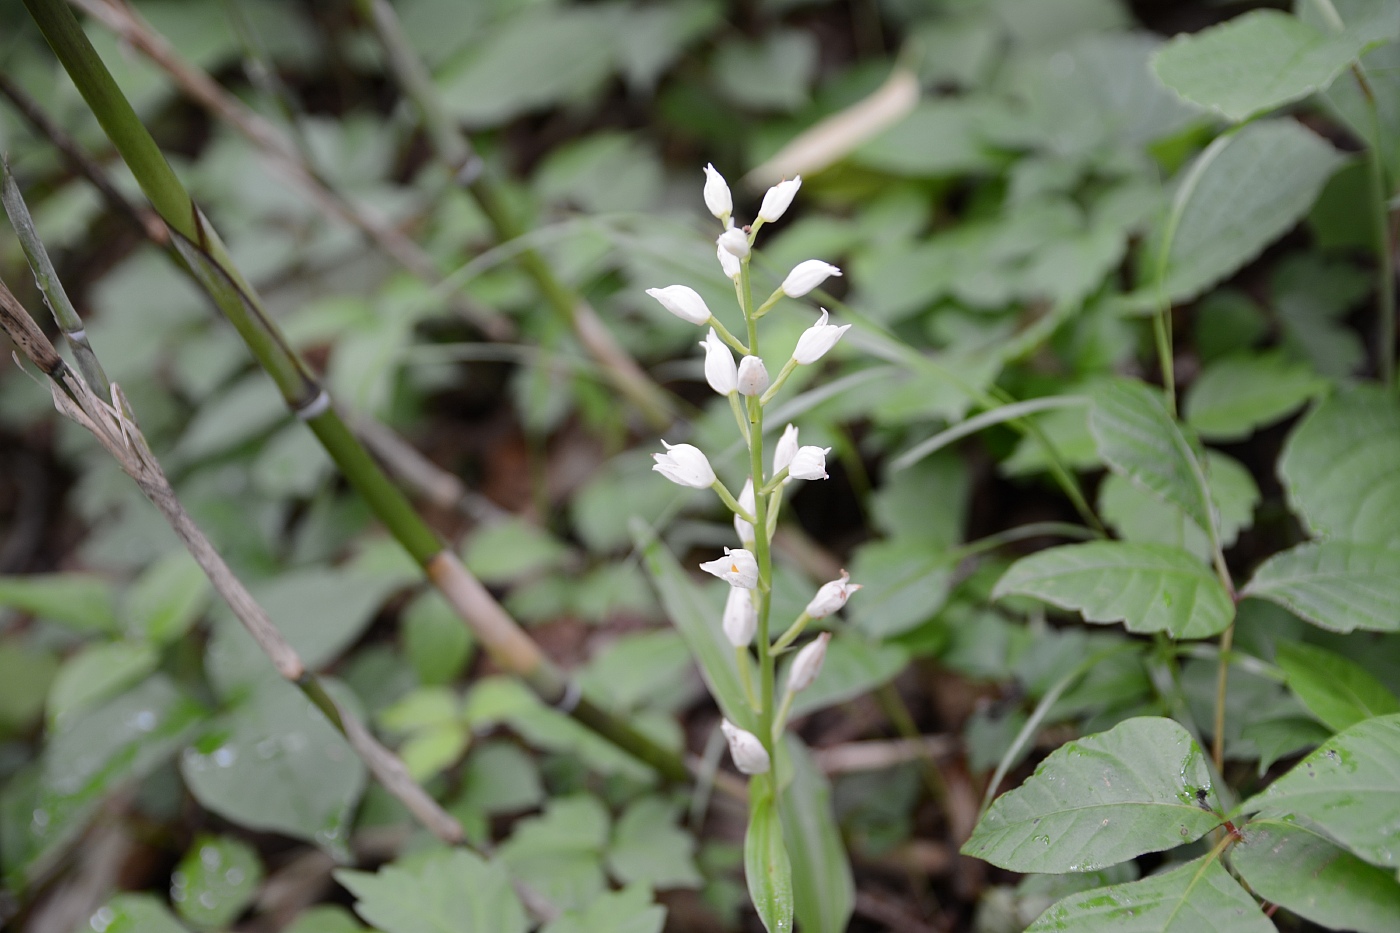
455,150
200,246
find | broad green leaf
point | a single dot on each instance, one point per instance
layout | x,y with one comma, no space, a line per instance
648,848
82,601
247,409
1143,786
1198,897
1303,872
167,599
1346,789
429,752
435,641
905,584
1253,187
1237,394
1312,296
697,619
1259,61
773,73
500,777
1138,438
560,853
946,136
1147,587
25,677
1339,692
627,911
822,886
99,671
645,668
215,881
766,866
504,551
1341,467
448,891
133,913
326,919
1140,517
1372,114
1283,737
853,667
275,763
1336,585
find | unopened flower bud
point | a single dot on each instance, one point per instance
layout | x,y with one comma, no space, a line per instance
808,663
686,465
740,617
717,197
776,201
728,262
785,450
749,755
746,499
809,463
720,371
735,242
753,376
818,339
831,597
682,301
806,276
737,568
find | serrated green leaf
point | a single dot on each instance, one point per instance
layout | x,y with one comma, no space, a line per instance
215,881
560,853
1256,185
1237,394
627,911
1198,897
822,886
1339,692
1147,587
766,866
1336,585
1140,517
83,601
1259,61
448,891
1341,467
1101,800
1138,437
1303,872
648,848
1346,789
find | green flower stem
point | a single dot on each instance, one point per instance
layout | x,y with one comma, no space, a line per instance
1222,678
775,503
791,635
774,484
777,384
727,337
733,503
780,720
739,416
741,655
769,303
201,248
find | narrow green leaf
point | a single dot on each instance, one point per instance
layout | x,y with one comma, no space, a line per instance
1337,691
1337,585
1198,897
1341,467
1259,61
766,865
698,621
1303,872
1147,587
83,601
1139,438
1237,394
448,891
823,887
1142,786
1346,789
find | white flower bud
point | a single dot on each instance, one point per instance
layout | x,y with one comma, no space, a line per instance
682,301
776,201
818,339
808,664
746,499
684,464
753,376
806,276
740,618
720,371
785,450
717,197
737,568
749,755
809,463
728,262
831,597
735,242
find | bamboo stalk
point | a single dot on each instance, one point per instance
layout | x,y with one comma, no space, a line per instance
202,249
455,151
